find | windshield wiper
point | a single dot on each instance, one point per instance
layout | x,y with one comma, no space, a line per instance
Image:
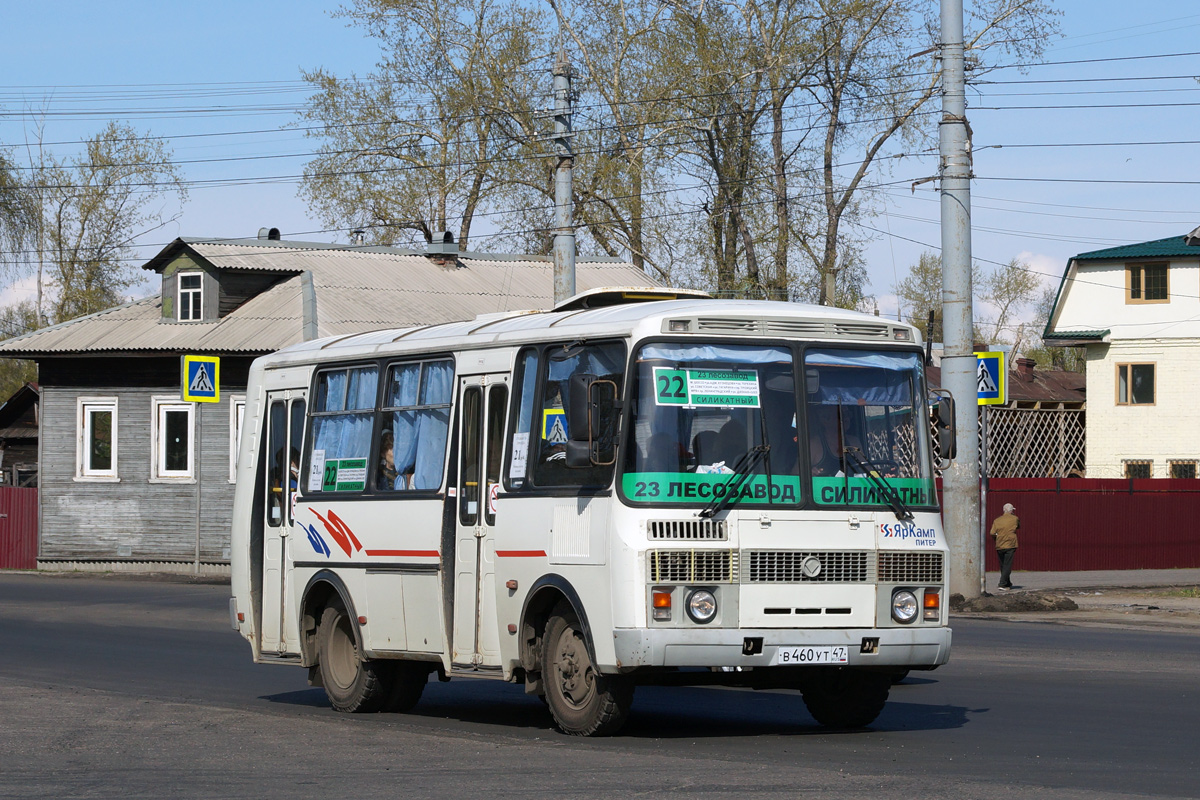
733,487
872,471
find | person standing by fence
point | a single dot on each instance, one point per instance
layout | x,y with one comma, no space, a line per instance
1004,531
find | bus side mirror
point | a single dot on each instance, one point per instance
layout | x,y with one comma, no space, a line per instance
592,421
943,420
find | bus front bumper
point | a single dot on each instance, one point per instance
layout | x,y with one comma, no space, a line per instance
716,647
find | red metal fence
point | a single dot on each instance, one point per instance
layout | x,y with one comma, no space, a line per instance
1091,523
18,528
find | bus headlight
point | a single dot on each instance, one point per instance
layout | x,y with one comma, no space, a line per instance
702,606
904,606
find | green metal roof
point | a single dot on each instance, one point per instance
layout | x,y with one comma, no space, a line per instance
1077,335
1170,247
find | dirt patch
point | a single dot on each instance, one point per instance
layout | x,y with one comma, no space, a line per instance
1014,601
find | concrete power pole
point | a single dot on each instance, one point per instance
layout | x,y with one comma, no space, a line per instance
564,223
960,483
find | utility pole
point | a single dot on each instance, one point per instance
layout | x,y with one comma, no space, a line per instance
564,223
960,483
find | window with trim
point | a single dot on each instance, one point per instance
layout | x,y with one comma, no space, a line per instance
343,421
1182,469
237,413
191,296
1139,469
96,444
415,426
172,437
1146,283
1135,384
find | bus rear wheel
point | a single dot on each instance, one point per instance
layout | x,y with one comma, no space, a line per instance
353,684
846,698
582,701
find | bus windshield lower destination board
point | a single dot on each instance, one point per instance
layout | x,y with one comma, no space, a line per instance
706,387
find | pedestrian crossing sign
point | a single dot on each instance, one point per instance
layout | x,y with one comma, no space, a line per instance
990,379
201,379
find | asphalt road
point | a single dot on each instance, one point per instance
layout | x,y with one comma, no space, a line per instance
120,688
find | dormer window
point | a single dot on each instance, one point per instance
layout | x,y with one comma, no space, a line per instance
191,296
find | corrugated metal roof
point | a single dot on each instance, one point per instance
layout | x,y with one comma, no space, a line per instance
1092,334
356,291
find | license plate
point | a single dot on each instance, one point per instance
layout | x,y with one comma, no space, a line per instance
793,656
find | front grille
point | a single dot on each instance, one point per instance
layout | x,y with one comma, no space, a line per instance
800,566
687,529
905,567
692,566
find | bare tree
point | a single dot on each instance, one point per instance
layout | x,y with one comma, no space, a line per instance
422,144
91,209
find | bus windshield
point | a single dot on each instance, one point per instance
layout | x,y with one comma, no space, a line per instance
699,411
865,421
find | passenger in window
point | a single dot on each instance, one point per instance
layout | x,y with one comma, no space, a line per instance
293,471
386,474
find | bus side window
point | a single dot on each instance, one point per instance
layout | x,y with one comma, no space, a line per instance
277,462
605,361
343,420
415,426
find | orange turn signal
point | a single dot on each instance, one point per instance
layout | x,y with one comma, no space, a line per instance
662,599
933,610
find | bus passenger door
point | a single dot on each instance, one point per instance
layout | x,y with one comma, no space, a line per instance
483,407
285,430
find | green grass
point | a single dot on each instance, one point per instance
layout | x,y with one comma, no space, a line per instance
1189,591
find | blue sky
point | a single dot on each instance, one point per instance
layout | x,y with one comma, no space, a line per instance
1041,204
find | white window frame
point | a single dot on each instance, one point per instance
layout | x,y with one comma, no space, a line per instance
237,417
160,404
83,427
179,295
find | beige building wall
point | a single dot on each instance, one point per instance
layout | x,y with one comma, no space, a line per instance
1160,433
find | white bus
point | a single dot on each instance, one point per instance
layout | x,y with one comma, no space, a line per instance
628,489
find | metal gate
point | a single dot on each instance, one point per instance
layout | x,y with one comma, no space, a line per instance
18,528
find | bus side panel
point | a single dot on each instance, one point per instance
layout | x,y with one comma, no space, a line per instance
529,548
387,551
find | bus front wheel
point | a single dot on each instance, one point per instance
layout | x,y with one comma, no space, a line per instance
352,683
582,701
846,698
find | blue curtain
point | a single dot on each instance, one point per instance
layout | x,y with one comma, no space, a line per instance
332,393
420,435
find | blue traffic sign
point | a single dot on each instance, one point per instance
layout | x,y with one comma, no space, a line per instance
990,380
201,379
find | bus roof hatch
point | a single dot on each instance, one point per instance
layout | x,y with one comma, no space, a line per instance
620,295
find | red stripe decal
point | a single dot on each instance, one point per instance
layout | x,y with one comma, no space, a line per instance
404,553
520,553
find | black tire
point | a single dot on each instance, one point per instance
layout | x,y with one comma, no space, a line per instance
846,698
582,701
408,681
353,684
899,675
